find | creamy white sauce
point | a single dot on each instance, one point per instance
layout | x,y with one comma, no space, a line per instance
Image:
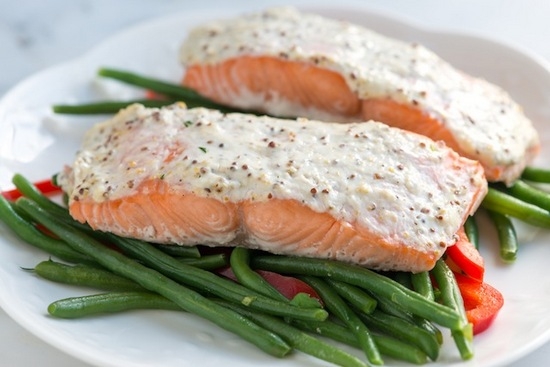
393,183
486,123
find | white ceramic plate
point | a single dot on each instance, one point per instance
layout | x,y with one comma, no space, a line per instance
37,143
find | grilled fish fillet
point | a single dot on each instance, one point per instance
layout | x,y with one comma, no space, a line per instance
288,63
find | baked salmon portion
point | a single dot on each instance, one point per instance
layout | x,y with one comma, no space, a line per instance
364,193
288,63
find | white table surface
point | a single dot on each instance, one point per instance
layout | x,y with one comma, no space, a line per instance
35,35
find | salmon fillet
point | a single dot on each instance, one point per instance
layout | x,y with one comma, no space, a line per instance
363,193
288,63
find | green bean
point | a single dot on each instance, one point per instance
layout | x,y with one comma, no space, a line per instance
472,231
356,296
329,329
55,179
31,235
399,350
77,307
391,308
508,241
403,278
422,284
84,275
395,309
20,213
341,310
536,174
298,339
29,190
429,327
404,330
211,283
406,279
530,194
154,281
207,262
503,203
180,251
393,321
172,91
450,295
379,285
388,346
239,260
92,276
106,107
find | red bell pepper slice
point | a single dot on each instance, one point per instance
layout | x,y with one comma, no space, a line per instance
287,286
481,301
465,256
45,186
